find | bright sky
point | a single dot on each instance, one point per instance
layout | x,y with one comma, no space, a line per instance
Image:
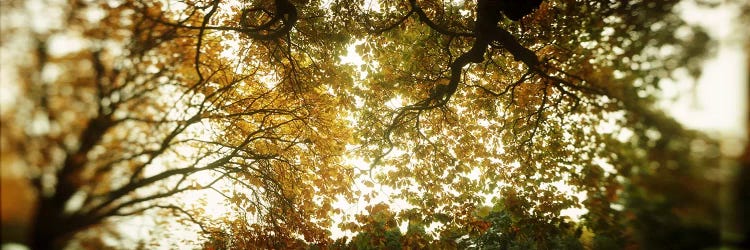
718,104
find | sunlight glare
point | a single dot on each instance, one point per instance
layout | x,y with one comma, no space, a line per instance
718,101
395,102
371,5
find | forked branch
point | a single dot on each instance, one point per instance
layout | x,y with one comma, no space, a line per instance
486,32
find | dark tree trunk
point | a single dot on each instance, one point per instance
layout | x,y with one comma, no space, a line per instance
51,226
517,9
47,227
743,177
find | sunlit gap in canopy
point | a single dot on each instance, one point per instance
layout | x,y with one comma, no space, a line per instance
716,101
209,200
213,192
212,202
366,188
369,191
187,150
607,125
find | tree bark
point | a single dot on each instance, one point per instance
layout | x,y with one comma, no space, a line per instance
47,226
742,180
51,226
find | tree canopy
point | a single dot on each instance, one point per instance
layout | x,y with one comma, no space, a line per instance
486,121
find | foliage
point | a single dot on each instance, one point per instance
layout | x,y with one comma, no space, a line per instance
497,229
378,229
453,107
508,232
143,111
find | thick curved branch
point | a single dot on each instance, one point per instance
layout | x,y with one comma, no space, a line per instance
519,52
285,12
517,9
265,26
486,32
206,18
393,25
440,29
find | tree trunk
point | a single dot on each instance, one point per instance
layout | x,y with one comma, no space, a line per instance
47,227
742,197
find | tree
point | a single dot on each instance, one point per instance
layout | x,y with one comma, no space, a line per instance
143,109
579,111
534,107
